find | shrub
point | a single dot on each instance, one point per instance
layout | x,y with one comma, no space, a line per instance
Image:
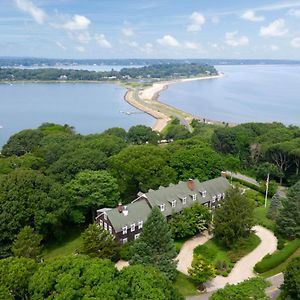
126,251
271,261
209,253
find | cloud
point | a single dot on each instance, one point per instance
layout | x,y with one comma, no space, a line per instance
296,42
197,21
192,46
127,31
168,41
294,13
77,23
61,46
102,41
83,37
249,15
234,40
215,20
276,28
274,47
80,49
38,14
147,48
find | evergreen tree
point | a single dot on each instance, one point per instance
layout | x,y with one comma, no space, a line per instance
27,244
288,221
291,285
274,207
234,219
97,242
155,247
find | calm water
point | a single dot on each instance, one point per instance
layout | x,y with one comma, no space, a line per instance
246,93
89,107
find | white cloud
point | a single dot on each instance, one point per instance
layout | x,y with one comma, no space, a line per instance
102,41
197,21
147,48
296,42
294,12
80,49
84,37
61,46
127,31
274,47
276,28
234,40
249,15
168,41
38,14
77,23
192,46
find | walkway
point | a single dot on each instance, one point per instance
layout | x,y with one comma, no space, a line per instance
243,269
185,255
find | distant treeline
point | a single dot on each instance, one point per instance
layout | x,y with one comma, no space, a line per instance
152,71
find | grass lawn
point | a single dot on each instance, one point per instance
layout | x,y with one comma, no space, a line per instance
185,285
260,217
282,266
65,247
215,253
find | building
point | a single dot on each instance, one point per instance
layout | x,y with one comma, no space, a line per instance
126,222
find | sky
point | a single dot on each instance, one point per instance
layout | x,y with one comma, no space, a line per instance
150,28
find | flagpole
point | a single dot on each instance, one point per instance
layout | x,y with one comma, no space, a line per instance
267,189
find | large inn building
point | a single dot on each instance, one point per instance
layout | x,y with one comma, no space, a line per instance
126,222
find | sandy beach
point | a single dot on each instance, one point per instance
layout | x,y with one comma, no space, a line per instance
150,95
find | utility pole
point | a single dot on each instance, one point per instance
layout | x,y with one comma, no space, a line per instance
267,189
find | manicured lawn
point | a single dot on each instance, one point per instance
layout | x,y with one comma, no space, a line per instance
185,285
66,247
282,266
260,216
215,253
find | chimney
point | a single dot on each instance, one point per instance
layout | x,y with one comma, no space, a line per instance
224,174
120,207
191,184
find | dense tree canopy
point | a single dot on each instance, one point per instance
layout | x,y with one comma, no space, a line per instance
291,286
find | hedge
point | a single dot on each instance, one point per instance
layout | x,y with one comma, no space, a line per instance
249,185
271,261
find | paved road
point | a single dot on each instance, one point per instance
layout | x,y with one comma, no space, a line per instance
185,255
243,269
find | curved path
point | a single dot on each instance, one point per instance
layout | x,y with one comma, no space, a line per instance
243,269
185,255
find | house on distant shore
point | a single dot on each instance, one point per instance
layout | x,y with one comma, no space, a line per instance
125,222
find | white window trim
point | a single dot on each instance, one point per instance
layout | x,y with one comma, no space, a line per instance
101,223
105,226
162,207
184,200
132,227
124,230
173,203
124,240
140,226
110,229
136,236
194,197
203,194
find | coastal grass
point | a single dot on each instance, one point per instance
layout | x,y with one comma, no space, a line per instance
67,246
185,285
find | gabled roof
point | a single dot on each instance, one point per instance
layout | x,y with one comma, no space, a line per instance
138,211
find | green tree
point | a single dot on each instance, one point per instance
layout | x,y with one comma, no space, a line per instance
140,134
267,168
27,244
291,286
30,198
97,242
201,270
15,274
116,131
234,219
139,282
288,220
90,190
155,246
74,277
274,207
251,289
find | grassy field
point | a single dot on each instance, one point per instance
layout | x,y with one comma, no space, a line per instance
185,285
67,246
260,217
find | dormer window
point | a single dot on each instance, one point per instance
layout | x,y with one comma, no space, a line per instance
124,230
140,224
184,200
194,197
173,203
132,227
203,194
219,196
162,207
214,199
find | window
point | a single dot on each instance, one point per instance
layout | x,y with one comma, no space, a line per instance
124,230
105,216
136,236
194,197
101,223
125,241
110,229
223,196
132,227
173,203
204,194
162,207
184,200
219,197
140,224
214,199
105,226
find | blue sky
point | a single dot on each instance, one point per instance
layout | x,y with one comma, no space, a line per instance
150,29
